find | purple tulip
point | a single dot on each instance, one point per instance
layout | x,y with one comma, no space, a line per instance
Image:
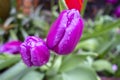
65,32
34,51
112,1
12,47
117,12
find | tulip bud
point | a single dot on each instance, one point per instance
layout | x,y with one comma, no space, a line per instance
74,4
11,47
117,12
65,32
34,51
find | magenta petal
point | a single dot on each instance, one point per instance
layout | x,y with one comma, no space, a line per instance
66,32
37,52
57,30
70,39
25,54
72,35
12,47
34,51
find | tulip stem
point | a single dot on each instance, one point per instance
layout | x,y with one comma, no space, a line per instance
84,7
53,61
47,66
62,5
48,72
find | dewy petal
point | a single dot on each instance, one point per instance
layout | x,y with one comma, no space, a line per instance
32,40
40,55
25,54
70,39
72,34
57,30
65,33
34,51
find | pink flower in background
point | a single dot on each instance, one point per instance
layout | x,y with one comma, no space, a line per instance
114,67
11,47
112,1
117,12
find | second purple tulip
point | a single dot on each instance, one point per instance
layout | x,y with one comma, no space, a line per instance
65,32
34,51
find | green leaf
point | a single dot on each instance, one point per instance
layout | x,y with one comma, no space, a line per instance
24,33
56,65
33,75
56,77
104,29
8,60
62,5
107,47
81,73
55,14
13,35
40,24
103,65
90,44
2,31
84,53
71,61
11,73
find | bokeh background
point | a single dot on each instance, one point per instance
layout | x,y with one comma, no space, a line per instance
97,55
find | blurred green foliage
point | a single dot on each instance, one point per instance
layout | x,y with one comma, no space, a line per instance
97,51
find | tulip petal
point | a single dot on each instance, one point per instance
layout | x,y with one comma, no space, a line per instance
70,40
34,51
25,54
40,55
12,47
57,30
63,39
72,34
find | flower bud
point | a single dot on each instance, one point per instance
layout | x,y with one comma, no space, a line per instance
34,51
74,4
65,32
117,12
11,47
